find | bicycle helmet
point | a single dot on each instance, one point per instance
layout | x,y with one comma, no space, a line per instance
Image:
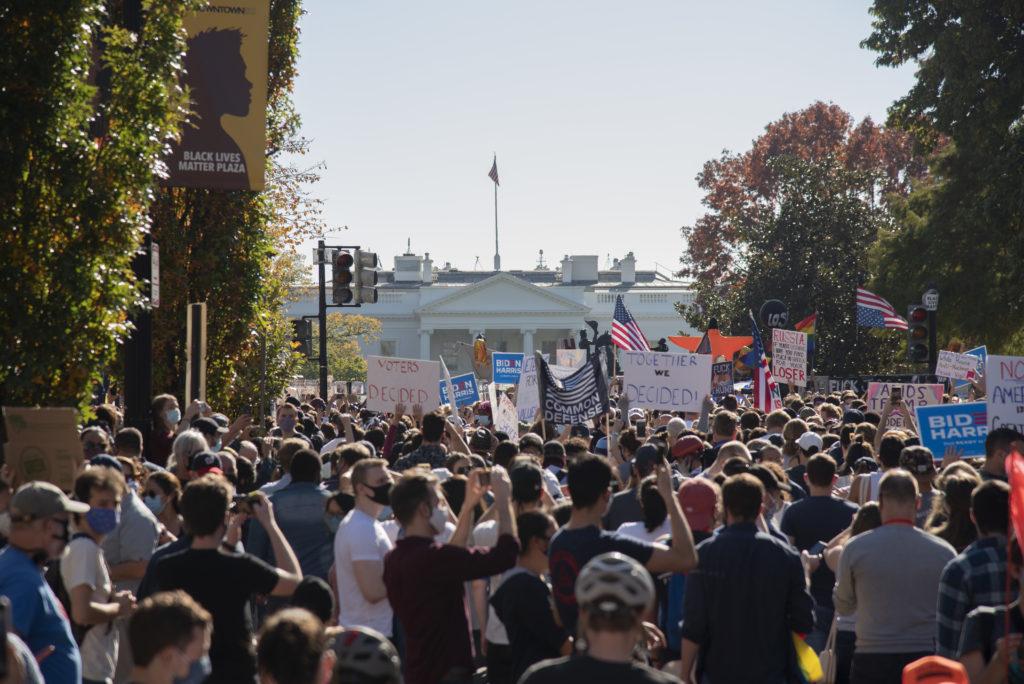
613,580
366,655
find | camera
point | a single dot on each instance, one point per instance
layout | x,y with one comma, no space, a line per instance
243,503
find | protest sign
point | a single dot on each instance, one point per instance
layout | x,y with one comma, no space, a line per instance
660,380
506,367
358,388
43,444
914,395
721,380
527,392
576,398
956,366
504,414
980,354
466,390
1004,378
859,383
391,381
962,426
789,357
570,358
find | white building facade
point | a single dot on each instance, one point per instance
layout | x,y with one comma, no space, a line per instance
427,312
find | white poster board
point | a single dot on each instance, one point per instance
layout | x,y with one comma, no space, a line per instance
914,395
956,366
667,381
527,392
789,357
391,381
1004,382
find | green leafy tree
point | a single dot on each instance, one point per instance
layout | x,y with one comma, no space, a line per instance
963,229
74,207
345,332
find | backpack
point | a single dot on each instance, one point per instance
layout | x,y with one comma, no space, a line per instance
56,582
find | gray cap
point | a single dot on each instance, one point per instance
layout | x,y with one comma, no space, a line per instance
36,500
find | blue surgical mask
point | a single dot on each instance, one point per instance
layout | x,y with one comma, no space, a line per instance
286,423
103,520
333,521
483,420
172,416
155,504
198,672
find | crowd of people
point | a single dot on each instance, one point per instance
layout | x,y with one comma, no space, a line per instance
330,543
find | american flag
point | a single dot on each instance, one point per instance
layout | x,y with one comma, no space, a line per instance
875,312
626,334
494,171
766,392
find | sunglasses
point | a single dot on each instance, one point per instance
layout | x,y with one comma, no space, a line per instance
152,493
94,446
462,471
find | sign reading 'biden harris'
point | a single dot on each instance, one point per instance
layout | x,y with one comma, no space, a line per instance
223,139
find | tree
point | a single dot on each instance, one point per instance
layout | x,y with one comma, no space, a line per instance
345,361
742,190
235,251
808,253
74,206
963,229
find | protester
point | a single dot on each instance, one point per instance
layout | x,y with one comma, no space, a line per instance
582,538
430,450
654,524
625,505
424,579
365,657
39,534
168,633
292,649
998,444
613,591
895,607
920,462
162,496
951,511
224,581
360,545
165,416
726,604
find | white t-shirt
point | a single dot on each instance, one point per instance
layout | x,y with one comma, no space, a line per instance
360,538
83,564
486,534
638,531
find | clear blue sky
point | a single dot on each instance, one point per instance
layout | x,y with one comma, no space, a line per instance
601,113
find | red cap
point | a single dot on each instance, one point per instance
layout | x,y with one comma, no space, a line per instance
687,445
698,497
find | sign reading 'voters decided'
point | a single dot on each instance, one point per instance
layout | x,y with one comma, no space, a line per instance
671,382
391,381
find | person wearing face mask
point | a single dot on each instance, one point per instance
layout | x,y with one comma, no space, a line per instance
287,419
94,603
161,496
213,432
424,579
168,633
360,545
165,415
39,533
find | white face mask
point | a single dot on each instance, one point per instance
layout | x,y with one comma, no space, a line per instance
5,524
438,518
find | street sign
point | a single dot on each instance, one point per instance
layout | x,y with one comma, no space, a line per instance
930,299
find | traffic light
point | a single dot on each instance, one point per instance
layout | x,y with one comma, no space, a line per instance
365,277
302,336
918,334
342,285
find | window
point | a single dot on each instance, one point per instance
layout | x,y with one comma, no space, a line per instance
388,347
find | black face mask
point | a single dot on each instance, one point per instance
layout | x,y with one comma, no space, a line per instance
381,494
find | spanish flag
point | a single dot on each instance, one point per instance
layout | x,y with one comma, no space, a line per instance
807,326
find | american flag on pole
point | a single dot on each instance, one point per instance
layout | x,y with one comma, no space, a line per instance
494,171
875,312
626,334
766,392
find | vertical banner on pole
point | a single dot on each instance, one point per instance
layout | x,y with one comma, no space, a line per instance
195,353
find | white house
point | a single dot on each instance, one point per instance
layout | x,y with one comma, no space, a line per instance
426,312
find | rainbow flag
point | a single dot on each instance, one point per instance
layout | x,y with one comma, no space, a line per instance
807,661
807,326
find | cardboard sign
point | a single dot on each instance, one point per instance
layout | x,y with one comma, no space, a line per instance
570,358
962,426
721,380
956,366
391,381
980,354
860,383
527,392
42,444
506,367
505,419
914,395
789,357
466,390
1004,378
660,380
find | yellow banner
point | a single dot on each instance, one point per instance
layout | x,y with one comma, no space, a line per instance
223,142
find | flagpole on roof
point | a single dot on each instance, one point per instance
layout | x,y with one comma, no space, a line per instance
494,177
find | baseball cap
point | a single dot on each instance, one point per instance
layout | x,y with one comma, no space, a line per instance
208,426
481,439
35,500
852,416
221,420
698,499
807,412
205,462
580,430
601,446
767,478
106,461
687,446
810,440
527,482
646,458
675,427
917,460
637,413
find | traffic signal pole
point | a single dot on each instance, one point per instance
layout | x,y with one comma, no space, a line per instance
322,315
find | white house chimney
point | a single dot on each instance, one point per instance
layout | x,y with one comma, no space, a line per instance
428,269
407,268
627,266
566,270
